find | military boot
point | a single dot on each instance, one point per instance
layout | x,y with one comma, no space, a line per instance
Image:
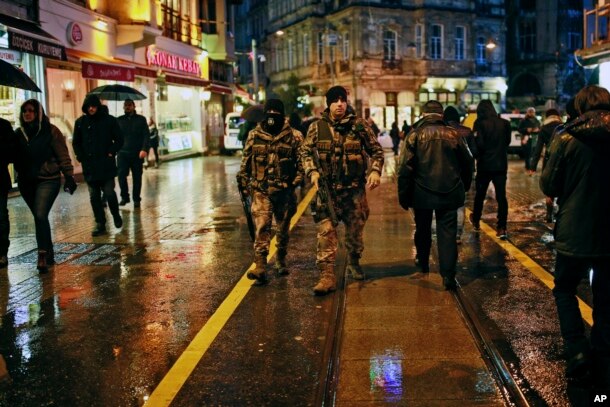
280,263
354,269
328,281
259,273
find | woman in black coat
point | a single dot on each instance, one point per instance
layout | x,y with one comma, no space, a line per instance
42,155
97,139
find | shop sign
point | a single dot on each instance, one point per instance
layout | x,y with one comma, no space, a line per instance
37,47
75,34
10,56
96,70
164,59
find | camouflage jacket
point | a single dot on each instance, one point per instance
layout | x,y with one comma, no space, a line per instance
345,148
271,163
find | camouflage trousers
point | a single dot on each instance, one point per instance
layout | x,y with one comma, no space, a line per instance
265,208
352,209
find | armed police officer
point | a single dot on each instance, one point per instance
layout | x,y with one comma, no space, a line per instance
344,144
270,171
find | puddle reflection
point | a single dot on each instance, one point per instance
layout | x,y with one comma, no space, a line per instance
385,372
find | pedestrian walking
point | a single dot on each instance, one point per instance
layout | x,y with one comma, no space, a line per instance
405,129
395,136
270,170
154,141
346,146
551,122
492,137
434,172
7,154
577,174
529,128
96,140
452,119
135,149
42,156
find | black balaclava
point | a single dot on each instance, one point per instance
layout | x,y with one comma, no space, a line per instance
273,122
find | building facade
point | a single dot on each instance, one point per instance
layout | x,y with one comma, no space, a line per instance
595,53
392,56
543,35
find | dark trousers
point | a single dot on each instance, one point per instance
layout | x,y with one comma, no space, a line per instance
498,178
155,150
569,271
40,195
95,197
133,162
446,232
5,225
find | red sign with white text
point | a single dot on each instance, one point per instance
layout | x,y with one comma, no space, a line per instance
166,60
97,70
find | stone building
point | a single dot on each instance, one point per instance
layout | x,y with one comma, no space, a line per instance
392,56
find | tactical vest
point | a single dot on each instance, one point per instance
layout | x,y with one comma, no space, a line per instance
273,165
343,157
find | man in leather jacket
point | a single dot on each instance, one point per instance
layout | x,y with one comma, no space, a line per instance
434,171
577,174
270,171
345,144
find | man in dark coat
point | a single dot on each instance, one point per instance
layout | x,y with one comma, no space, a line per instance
577,174
434,171
96,141
492,136
452,119
7,136
135,131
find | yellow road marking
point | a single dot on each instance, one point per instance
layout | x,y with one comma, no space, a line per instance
535,268
188,360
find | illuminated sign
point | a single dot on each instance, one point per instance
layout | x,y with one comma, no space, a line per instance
109,72
75,34
164,59
35,46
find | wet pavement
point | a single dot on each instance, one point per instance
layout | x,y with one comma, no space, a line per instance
108,322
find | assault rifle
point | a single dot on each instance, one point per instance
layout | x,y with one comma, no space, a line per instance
246,202
324,190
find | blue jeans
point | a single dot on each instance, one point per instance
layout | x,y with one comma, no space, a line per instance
40,195
569,271
5,225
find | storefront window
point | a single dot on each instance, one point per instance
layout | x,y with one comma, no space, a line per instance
179,120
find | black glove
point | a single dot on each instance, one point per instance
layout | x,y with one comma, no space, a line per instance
69,184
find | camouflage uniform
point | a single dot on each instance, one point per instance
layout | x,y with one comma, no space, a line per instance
344,147
270,170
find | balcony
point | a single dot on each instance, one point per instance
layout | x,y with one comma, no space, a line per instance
180,28
392,65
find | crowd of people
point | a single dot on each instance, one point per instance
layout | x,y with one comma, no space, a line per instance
40,156
340,156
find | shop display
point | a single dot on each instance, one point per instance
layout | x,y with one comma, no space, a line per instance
175,134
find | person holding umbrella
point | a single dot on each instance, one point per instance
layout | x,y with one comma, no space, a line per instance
42,155
97,139
7,137
137,136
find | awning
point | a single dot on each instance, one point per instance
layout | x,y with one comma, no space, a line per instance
218,88
185,80
100,67
26,36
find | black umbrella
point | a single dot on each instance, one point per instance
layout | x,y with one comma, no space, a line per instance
11,76
117,92
254,113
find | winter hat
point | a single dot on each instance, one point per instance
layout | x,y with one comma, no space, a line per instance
551,112
91,100
432,106
274,104
335,93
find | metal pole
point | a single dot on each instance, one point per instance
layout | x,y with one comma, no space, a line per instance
255,70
